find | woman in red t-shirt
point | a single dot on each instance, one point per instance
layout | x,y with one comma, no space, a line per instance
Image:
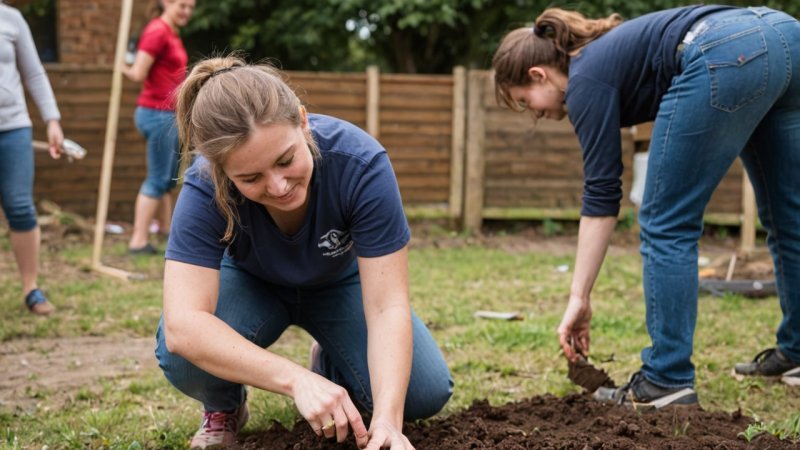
160,63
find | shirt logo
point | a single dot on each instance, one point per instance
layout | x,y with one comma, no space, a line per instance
336,242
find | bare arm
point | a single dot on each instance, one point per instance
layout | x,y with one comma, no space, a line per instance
193,331
384,282
140,68
593,237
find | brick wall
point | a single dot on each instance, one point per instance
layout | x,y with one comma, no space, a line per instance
87,29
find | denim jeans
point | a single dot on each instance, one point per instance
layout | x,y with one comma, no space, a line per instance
16,178
163,150
334,316
738,95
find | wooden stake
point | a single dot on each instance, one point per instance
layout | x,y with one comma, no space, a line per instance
731,267
109,146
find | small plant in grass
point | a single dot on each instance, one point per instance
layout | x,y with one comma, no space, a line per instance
84,394
628,220
8,438
783,429
682,429
753,430
551,227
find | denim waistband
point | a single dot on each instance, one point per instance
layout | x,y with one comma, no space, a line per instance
696,28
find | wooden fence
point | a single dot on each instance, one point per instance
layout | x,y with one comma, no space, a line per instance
456,154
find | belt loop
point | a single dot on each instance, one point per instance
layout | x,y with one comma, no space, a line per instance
696,29
757,10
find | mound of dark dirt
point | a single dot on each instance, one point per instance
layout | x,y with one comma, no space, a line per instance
549,422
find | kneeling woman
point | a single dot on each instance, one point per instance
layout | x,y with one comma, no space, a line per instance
287,218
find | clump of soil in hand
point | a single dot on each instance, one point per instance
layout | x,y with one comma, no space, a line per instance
586,375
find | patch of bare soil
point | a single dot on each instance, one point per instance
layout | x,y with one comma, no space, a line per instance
55,369
548,422
737,265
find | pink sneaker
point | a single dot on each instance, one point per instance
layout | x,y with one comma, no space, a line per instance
220,428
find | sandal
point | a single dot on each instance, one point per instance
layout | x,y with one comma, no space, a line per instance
37,303
147,249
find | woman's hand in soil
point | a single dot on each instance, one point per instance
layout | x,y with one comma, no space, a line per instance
383,434
328,409
573,332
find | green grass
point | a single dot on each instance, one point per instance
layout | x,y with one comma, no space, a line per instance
497,360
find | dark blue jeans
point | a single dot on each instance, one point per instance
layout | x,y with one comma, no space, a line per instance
16,178
738,95
334,316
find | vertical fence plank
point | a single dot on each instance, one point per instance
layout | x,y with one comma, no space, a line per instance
475,158
373,101
456,202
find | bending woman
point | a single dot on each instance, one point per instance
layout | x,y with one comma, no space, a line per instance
720,83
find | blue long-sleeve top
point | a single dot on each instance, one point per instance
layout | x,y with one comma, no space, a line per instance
617,81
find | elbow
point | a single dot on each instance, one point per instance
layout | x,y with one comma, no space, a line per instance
176,337
133,75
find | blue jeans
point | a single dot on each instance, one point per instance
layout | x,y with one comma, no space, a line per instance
334,316
16,178
738,95
163,150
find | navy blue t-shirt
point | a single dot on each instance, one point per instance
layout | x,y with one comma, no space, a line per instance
617,81
354,210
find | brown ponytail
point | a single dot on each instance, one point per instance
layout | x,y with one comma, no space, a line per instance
556,36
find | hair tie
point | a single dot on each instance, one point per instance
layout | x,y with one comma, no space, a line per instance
538,31
219,71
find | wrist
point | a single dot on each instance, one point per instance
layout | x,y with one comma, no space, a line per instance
574,295
292,381
393,417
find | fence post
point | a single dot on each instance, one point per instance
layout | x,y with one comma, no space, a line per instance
456,202
475,161
373,101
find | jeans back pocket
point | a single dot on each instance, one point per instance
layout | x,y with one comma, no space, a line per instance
738,68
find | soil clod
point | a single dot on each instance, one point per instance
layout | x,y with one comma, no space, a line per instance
586,375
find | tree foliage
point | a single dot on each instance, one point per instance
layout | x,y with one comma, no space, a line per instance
425,36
